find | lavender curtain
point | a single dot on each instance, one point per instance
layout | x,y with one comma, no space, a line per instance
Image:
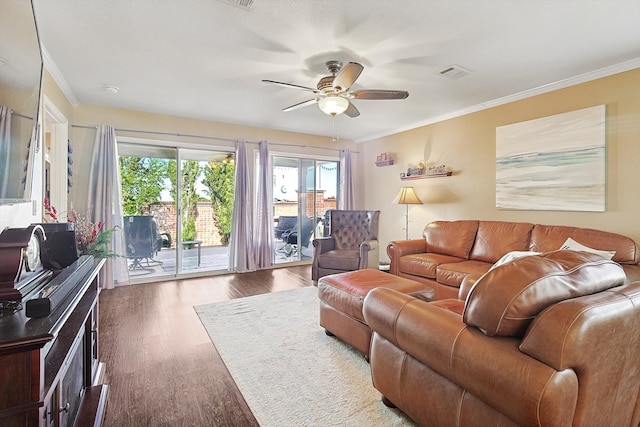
105,203
346,198
265,255
241,253
5,149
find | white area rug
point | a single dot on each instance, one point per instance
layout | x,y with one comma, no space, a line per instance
289,372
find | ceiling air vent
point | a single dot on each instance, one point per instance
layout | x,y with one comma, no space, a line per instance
244,4
454,72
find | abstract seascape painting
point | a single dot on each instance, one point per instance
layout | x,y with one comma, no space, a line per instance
553,163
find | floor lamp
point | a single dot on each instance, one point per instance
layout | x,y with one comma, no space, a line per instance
407,196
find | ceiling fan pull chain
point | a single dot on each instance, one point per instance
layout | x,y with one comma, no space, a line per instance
334,121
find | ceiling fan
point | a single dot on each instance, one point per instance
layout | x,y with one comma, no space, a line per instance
333,94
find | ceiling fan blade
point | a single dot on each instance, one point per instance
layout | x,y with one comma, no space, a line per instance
347,76
300,105
289,85
352,111
379,94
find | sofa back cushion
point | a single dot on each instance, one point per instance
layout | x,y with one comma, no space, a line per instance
546,238
496,238
454,238
506,299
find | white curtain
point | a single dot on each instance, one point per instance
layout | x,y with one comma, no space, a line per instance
265,255
346,199
105,203
241,253
5,149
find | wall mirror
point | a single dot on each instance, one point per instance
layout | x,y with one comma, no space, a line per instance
20,80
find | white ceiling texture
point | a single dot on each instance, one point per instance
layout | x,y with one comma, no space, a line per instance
206,59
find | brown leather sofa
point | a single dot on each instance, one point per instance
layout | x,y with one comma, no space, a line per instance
547,340
451,250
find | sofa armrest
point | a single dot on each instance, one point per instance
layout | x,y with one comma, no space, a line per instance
431,322
398,248
369,254
491,368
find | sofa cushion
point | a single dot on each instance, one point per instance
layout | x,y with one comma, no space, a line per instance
450,304
506,299
546,238
454,238
424,264
496,238
453,274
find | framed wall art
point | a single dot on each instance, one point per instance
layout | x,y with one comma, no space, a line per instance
553,163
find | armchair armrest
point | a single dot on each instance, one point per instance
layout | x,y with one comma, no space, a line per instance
369,254
320,245
398,248
323,244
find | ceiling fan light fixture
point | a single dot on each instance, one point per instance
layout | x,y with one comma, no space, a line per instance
333,105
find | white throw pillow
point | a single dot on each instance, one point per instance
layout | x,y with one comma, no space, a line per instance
510,256
572,245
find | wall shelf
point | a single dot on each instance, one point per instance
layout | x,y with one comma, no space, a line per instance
431,175
385,163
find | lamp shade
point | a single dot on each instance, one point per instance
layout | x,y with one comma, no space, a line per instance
407,196
333,105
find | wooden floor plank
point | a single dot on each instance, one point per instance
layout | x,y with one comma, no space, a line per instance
161,366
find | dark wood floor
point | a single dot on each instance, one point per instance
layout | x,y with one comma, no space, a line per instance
161,366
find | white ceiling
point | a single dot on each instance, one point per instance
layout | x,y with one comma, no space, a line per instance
205,59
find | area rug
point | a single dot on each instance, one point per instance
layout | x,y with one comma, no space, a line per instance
289,372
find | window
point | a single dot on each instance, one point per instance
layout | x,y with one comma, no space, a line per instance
177,204
304,190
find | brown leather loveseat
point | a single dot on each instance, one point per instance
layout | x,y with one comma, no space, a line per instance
546,340
451,250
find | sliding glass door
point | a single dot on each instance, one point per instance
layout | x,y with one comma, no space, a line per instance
304,189
206,203
177,205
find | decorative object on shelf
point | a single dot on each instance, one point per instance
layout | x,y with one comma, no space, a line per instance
407,196
384,159
419,172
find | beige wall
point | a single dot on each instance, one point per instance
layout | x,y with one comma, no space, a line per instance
51,90
467,145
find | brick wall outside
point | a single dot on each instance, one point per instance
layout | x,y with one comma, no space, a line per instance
206,230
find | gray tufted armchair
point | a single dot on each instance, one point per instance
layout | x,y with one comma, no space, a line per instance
352,244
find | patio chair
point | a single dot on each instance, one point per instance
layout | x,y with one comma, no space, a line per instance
142,239
285,225
300,238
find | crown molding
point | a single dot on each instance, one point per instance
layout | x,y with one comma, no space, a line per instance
560,84
58,77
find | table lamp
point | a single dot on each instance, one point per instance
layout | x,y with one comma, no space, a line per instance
407,196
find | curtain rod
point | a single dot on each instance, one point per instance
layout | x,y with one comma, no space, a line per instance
211,137
21,115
